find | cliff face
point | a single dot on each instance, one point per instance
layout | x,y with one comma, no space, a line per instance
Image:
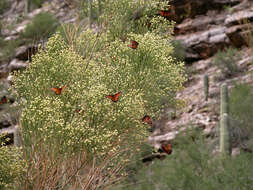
204,27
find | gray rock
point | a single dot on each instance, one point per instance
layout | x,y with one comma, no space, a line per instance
16,64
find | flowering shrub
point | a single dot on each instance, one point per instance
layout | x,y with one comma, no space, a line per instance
142,75
12,166
119,18
81,119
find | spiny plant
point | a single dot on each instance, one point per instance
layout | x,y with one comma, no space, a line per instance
225,136
206,86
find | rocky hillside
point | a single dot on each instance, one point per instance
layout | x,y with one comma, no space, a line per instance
205,29
202,27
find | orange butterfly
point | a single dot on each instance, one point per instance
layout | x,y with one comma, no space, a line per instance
133,44
114,97
147,119
57,90
167,148
3,100
165,13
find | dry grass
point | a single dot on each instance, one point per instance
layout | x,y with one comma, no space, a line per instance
74,172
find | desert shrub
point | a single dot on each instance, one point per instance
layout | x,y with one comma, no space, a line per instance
192,166
12,167
82,118
8,48
241,111
3,6
122,17
179,50
37,3
226,61
141,79
41,27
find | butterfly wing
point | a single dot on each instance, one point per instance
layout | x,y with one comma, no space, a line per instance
133,44
109,96
164,13
58,90
3,100
114,97
147,119
167,148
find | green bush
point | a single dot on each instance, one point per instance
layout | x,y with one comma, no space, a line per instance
142,76
192,166
227,60
12,167
8,48
37,3
241,110
3,6
122,17
41,27
179,50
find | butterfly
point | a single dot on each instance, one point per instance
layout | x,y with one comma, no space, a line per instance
165,13
114,97
133,44
3,100
167,148
57,90
147,119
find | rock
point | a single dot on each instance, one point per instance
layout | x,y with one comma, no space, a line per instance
238,34
239,17
201,45
25,53
16,64
4,72
4,124
191,8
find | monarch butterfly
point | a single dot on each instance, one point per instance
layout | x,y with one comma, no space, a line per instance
114,97
147,119
165,13
58,90
166,148
3,100
133,44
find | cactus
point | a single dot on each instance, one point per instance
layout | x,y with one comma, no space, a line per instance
17,136
224,108
206,86
225,139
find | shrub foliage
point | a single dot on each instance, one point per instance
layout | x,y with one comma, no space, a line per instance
41,27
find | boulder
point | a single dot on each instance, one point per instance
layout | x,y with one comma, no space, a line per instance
16,64
25,53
